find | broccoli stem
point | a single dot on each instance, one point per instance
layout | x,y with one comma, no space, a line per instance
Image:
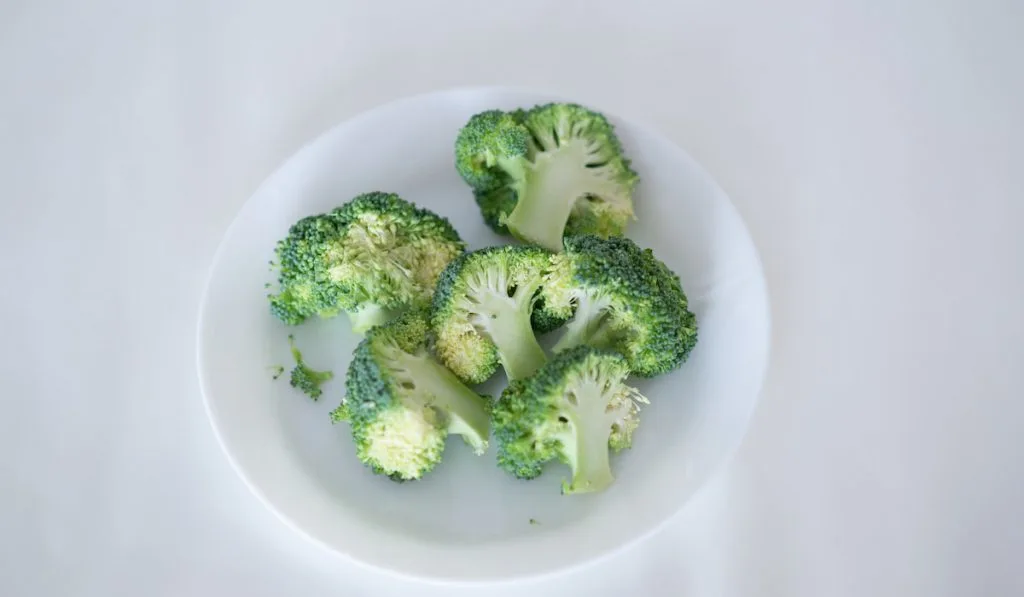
593,467
592,427
465,410
587,325
507,323
370,315
543,207
547,193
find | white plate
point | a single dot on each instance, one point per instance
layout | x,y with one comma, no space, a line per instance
468,520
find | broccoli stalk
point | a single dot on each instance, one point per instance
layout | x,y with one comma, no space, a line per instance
482,312
505,319
588,325
549,190
370,315
402,404
437,387
576,408
304,378
592,412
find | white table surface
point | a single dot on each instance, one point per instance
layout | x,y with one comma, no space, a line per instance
874,148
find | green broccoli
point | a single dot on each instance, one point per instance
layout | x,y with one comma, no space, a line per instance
545,320
402,404
373,258
482,310
495,205
622,298
303,377
552,170
574,409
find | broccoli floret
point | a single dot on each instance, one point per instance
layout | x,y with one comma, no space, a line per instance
304,378
546,320
481,314
490,139
372,258
575,409
402,404
622,298
494,205
554,169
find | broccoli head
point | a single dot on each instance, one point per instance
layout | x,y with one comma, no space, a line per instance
490,138
495,205
372,258
402,404
552,170
621,298
547,320
304,378
482,309
574,409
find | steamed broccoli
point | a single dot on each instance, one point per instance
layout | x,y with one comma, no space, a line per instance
622,298
402,404
482,310
305,379
575,408
373,258
555,169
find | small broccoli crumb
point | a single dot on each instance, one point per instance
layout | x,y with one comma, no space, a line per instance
534,521
303,377
275,371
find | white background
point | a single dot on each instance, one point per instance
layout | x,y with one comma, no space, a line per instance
875,149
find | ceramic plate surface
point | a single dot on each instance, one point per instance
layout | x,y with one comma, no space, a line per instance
468,520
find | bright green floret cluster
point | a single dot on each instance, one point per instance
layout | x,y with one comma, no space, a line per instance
482,312
402,404
620,298
303,377
437,319
575,409
552,170
372,258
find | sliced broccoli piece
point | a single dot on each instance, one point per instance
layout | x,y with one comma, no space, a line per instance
481,314
553,169
304,378
402,404
621,298
575,409
372,258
